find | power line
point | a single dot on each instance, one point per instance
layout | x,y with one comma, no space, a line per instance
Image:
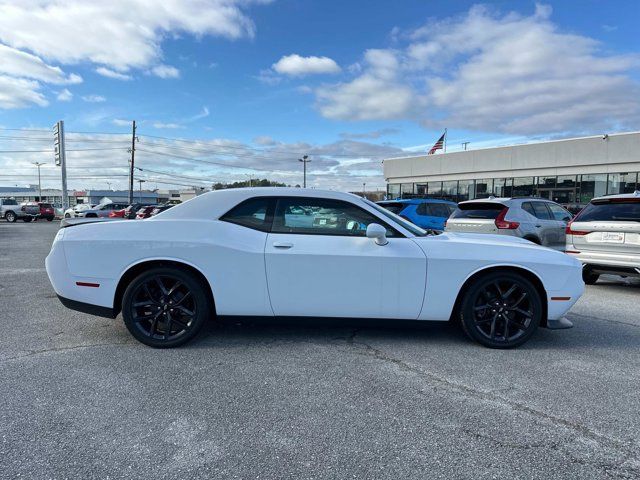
68,150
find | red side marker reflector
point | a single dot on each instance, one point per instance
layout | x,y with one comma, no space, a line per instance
86,284
571,251
561,298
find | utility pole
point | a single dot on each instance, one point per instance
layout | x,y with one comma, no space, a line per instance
445,141
61,159
109,185
464,145
364,190
133,155
37,164
304,161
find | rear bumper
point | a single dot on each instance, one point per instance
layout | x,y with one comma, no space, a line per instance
622,262
89,308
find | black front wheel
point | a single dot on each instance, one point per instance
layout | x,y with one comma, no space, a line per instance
10,217
165,307
501,310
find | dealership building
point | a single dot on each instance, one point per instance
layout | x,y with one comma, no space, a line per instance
570,172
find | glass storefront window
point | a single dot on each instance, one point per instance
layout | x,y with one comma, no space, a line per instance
421,188
592,186
484,188
450,190
435,189
393,190
406,189
621,183
465,190
502,187
566,181
546,182
523,187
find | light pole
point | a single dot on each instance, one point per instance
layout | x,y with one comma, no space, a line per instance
364,189
304,161
37,164
140,181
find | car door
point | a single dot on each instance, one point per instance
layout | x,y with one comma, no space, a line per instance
545,225
560,217
327,267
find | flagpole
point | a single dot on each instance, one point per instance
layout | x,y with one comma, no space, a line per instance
445,140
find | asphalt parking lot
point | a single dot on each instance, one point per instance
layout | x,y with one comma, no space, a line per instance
309,399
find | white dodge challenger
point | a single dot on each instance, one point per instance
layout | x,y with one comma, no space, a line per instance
306,253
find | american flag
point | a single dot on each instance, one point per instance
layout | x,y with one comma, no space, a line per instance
438,145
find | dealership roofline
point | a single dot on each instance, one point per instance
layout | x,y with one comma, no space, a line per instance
516,145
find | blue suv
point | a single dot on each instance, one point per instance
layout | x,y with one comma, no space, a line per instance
427,213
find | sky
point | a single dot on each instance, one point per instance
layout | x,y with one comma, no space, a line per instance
226,90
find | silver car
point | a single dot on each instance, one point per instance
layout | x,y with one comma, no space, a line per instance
535,219
605,237
101,211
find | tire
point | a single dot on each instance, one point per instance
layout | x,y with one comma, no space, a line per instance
533,240
91,215
66,215
49,219
26,219
161,297
500,310
10,217
589,277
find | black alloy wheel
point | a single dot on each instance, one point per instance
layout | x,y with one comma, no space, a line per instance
165,307
501,310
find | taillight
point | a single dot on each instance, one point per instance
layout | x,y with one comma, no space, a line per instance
569,231
503,224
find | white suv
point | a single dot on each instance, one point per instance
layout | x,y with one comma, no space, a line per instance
535,219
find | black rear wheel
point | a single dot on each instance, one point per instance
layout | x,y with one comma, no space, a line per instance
501,310
165,307
589,277
10,217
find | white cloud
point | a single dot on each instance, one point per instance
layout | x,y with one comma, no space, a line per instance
203,114
485,71
107,72
297,66
121,122
94,98
165,71
16,63
165,126
65,95
128,34
20,92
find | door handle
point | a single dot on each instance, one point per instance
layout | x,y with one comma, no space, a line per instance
282,244
538,226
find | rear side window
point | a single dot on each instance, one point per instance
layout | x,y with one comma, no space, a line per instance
527,207
9,201
46,205
541,211
622,210
394,207
435,210
255,213
558,212
483,211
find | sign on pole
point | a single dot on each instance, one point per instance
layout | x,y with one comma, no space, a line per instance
60,158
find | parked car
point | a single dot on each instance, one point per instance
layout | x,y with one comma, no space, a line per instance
118,213
76,209
535,219
31,211
605,237
10,210
145,212
429,213
162,208
47,211
101,211
233,252
131,210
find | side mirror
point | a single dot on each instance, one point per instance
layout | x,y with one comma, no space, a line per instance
378,233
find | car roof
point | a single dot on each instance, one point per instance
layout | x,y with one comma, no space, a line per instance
503,200
216,203
635,194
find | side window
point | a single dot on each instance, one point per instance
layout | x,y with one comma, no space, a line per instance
541,211
438,210
318,216
527,207
559,213
253,213
422,209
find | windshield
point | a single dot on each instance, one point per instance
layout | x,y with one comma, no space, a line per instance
417,231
